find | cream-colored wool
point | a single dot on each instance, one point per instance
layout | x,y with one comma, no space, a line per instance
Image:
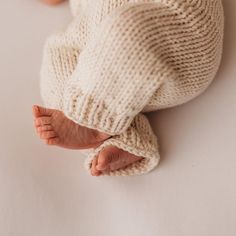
119,58
137,139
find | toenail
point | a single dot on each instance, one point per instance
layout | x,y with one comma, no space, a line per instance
94,173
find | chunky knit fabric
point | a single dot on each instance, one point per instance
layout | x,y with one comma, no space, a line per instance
119,58
138,139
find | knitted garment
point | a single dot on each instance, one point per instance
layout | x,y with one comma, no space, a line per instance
139,140
119,58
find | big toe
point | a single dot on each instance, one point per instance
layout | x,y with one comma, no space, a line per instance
106,157
41,111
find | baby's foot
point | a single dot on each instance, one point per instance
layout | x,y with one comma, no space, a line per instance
56,129
112,158
52,2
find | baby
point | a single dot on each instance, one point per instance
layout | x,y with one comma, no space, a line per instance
118,60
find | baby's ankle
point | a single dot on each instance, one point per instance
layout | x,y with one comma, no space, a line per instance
102,136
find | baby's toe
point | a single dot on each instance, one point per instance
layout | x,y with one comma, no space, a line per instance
94,170
35,111
103,161
53,141
48,134
44,128
44,120
42,111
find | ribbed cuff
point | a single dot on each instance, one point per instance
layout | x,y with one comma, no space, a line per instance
86,111
138,140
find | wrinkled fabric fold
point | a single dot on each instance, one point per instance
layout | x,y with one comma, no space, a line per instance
120,58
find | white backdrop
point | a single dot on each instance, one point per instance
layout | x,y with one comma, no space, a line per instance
44,191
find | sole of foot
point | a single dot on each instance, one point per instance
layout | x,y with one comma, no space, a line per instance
112,158
56,129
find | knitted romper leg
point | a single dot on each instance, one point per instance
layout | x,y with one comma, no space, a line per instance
60,58
142,57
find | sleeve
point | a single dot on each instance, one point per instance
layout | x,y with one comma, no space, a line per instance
139,140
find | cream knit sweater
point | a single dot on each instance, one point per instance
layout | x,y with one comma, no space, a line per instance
121,58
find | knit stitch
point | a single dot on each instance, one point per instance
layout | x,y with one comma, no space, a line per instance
119,58
139,140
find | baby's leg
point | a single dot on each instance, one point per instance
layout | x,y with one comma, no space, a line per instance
61,54
53,75
110,99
